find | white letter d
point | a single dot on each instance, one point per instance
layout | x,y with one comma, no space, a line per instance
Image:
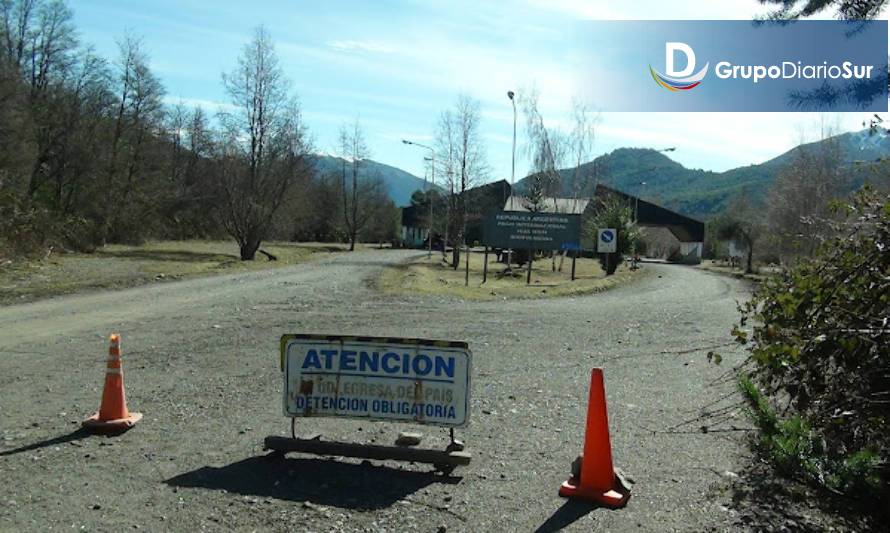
669,49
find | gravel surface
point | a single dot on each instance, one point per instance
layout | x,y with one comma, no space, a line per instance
201,363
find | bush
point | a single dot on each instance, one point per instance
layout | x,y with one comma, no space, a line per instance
612,212
29,230
820,356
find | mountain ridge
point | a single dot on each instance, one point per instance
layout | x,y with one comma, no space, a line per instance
703,193
400,184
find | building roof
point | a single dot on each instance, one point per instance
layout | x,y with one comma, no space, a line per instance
569,206
686,229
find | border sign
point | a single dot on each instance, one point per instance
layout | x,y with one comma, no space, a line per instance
537,231
375,378
607,241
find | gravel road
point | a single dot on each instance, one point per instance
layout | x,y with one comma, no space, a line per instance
201,363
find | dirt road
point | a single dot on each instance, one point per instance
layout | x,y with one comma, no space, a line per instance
201,363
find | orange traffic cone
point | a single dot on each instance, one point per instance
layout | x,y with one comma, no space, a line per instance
113,416
598,482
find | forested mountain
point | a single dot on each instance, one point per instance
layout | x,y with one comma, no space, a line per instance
399,185
702,193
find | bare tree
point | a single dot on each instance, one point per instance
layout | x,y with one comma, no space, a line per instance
264,145
462,153
798,208
353,151
742,223
579,150
580,144
137,117
546,149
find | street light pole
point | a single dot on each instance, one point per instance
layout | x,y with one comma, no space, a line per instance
429,197
633,260
510,95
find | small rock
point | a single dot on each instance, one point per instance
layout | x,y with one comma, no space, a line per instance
408,438
216,326
730,475
96,507
442,529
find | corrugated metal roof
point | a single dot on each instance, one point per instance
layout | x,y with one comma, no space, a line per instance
569,206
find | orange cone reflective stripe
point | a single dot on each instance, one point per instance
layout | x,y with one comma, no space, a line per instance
113,415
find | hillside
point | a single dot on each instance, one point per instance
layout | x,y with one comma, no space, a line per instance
399,184
702,193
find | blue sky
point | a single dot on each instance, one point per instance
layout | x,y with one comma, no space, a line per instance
397,64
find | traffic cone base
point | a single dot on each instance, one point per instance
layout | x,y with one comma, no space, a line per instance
613,498
594,479
113,415
111,426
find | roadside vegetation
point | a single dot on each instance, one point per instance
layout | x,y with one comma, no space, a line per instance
94,153
818,376
436,277
118,266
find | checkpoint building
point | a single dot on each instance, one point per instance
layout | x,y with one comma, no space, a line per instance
686,233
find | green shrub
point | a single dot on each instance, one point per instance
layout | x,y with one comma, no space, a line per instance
613,212
820,356
30,230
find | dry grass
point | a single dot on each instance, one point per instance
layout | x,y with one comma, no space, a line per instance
423,276
118,266
759,275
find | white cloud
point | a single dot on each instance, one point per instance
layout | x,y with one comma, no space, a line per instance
207,105
360,46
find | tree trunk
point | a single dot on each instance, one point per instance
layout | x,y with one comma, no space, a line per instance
455,255
352,242
249,249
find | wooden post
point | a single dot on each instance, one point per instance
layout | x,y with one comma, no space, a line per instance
485,266
467,263
528,276
574,256
369,451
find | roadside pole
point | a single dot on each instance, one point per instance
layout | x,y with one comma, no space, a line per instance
467,263
485,266
574,257
531,257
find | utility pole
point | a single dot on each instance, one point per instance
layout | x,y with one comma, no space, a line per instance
429,196
639,191
511,95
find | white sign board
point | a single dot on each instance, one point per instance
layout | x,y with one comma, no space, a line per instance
607,241
411,380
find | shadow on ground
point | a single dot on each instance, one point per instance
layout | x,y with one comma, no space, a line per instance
321,481
78,434
765,501
570,512
181,256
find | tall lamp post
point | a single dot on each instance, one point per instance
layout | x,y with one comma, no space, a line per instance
511,95
429,197
639,191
